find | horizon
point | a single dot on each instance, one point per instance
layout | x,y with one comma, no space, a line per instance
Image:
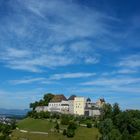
88,48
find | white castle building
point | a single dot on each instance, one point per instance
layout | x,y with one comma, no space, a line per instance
73,105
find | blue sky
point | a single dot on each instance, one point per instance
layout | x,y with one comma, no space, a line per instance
82,47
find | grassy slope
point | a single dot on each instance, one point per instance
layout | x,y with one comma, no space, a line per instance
43,125
35,125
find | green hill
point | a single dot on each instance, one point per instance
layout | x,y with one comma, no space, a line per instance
35,127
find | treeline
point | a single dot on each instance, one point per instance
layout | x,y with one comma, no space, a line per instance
115,124
43,102
6,130
65,118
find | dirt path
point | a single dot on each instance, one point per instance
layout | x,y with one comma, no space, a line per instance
33,132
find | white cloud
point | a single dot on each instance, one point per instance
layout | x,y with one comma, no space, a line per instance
91,60
68,15
109,81
106,91
128,65
132,61
14,53
81,47
71,75
34,61
17,53
20,59
47,35
111,85
27,81
52,78
126,71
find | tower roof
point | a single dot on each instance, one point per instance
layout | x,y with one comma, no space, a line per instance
102,99
88,100
72,97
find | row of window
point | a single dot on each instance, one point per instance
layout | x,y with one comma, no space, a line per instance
54,104
78,107
78,104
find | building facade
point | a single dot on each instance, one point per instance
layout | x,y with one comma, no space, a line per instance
73,105
59,103
100,102
79,105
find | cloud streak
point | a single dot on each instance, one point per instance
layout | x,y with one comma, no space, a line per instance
71,75
52,78
116,81
26,81
132,61
49,36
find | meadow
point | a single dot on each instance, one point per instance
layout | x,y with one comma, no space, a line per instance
82,133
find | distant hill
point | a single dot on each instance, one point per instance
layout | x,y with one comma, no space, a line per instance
13,112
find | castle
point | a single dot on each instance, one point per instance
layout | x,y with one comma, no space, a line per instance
73,105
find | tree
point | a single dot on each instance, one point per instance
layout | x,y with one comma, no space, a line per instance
65,119
47,97
125,135
135,126
72,125
106,111
13,124
34,105
105,128
70,133
124,122
114,135
57,127
116,124
115,111
137,136
89,125
46,114
43,102
64,132
4,138
6,130
55,115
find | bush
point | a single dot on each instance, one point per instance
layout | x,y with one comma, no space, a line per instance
72,125
64,120
57,127
64,132
70,133
137,136
46,114
71,129
4,138
89,125
55,115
